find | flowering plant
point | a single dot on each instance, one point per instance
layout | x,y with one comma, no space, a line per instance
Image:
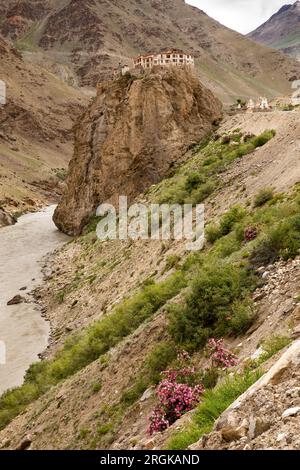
250,234
178,391
175,396
220,356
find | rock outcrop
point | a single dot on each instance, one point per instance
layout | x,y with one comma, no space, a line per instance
5,219
137,129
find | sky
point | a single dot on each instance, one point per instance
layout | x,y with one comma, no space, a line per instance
241,15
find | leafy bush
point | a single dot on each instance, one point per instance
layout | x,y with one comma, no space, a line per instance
226,246
172,262
200,194
228,221
243,149
282,241
131,395
234,215
212,233
264,196
208,309
210,377
193,181
270,346
197,179
242,318
159,359
273,345
263,138
156,362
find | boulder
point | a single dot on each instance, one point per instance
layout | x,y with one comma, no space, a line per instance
17,299
6,219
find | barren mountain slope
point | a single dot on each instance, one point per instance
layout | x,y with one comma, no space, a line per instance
85,39
101,406
282,30
35,130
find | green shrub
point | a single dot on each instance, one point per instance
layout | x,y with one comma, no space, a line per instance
282,241
264,196
243,316
243,149
172,262
212,233
198,178
208,308
96,387
131,395
174,194
228,221
106,428
273,345
200,194
158,360
209,378
263,138
193,181
226,246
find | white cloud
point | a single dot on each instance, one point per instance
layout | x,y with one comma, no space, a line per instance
242,15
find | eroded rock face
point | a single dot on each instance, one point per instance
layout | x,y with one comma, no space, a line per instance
137,129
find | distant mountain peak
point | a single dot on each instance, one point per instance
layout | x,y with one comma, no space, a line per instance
283,8
282,30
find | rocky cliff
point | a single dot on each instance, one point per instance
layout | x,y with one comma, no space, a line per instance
131,136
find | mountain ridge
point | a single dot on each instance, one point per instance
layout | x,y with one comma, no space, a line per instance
36,131
282,30
88,39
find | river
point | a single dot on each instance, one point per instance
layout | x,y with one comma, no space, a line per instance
24,333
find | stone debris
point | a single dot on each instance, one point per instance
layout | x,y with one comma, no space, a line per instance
17,299
291,412
267,416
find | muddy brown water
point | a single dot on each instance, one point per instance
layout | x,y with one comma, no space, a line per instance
23,331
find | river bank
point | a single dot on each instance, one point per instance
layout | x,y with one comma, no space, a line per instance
23,330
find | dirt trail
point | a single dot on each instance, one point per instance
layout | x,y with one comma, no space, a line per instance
22,329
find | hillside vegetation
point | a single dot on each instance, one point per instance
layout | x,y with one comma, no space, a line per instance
177,302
